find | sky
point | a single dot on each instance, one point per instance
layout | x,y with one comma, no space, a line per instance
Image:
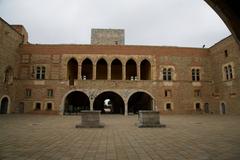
187,23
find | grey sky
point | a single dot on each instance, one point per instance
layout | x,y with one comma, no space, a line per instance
146,22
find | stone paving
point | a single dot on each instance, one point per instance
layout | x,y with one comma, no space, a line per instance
194,137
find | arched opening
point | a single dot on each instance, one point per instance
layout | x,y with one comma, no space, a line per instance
75,102
145,68
4,105
8,76
87,69
131,70
72,70
140,101
109,102
222,108
101,69
116,70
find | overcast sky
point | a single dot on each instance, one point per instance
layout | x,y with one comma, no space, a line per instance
189,23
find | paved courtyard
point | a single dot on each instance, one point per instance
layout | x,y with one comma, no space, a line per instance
41,137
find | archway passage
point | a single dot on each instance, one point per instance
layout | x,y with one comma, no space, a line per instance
87,69
75,102
223,108
109,102
4,105
145,68
140,101
101,69
116,70
131,69
72,70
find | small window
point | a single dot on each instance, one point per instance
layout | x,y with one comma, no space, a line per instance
226,53
50,92
168,93
197,93
49,107
198,107
37,106
168,107
228,71
28,92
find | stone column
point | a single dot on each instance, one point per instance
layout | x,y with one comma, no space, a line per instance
94,71
123,72
138,72
109,72
80,72
91,105
126,109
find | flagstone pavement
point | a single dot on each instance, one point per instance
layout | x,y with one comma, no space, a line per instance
52,137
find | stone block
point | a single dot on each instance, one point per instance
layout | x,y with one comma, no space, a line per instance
149,119
90,119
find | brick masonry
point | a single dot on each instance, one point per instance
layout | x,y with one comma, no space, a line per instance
22,57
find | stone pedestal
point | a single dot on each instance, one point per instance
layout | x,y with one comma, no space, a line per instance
90,119
149,119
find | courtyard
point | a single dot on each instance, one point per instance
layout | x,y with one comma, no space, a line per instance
49,137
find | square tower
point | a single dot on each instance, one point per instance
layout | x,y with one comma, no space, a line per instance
107,37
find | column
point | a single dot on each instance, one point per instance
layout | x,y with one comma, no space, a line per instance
109,72
91,105
123,72
94,71
80,72
138,72
126,109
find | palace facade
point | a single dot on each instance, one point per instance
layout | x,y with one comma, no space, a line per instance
110,76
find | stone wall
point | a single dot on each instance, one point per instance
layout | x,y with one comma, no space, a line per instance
225,91
9,43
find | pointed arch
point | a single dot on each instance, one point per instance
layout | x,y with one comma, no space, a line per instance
102,69
145,70
87,69
116,69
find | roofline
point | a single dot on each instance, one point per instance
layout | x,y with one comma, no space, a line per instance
221,41
88,45
11,26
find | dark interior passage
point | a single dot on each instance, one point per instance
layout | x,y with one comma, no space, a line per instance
75,102
101,69
87,69
115,103
140,101
4,105
131,69
116,70
72,70
145,69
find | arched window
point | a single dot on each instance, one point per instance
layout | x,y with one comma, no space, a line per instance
131,70
87,69
8,76
72,70
145,69
116,70
101,69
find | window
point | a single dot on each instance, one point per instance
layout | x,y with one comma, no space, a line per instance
49,107
50,92
195,74
169,107
168,93
198,107
167,74
197,93
37,106
226,53
28,92
228,71
8,76
40,73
